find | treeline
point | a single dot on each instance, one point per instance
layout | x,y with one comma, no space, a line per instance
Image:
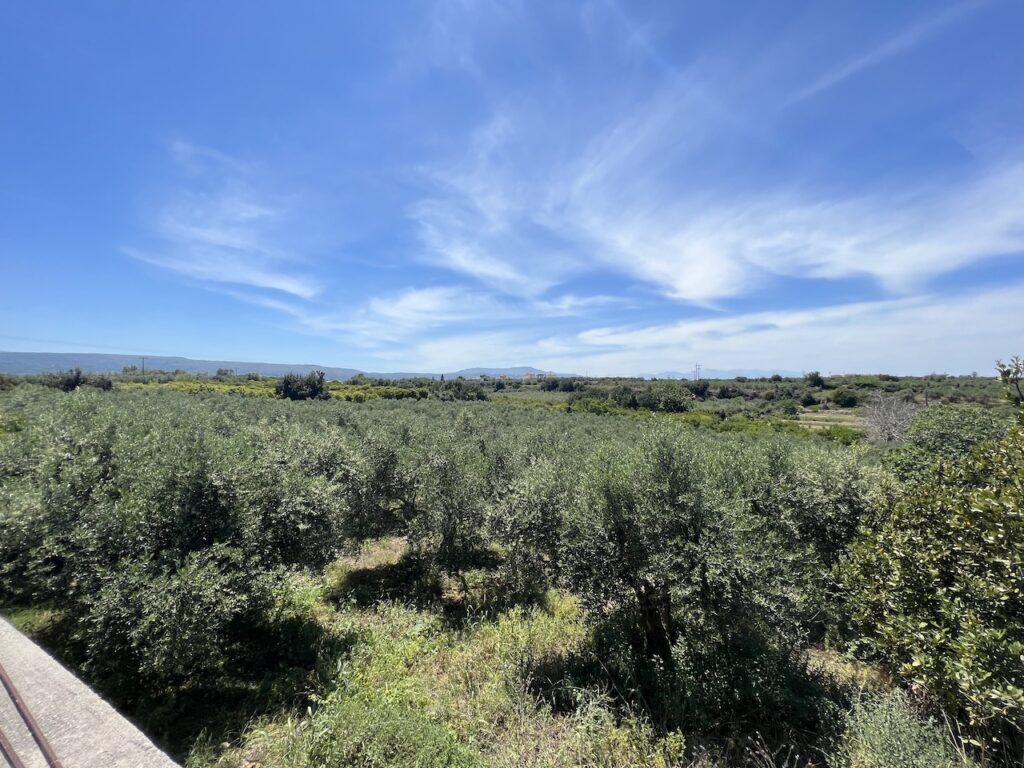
292,386
67,381
768,395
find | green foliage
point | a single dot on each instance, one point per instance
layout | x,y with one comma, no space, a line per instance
196,544
362,393
461,389
938,591
823,497
886,732
379,488
664,543
581,404
1011,375
845,398
527,518
297,387
944,433
68,381
814,379
167,627
665,396
840,433
155,530
449,525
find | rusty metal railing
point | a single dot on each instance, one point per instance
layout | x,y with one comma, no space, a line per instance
30,722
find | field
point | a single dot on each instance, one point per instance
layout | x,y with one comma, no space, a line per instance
556,573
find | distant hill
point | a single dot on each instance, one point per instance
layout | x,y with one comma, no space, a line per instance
46,362
515,373
716,373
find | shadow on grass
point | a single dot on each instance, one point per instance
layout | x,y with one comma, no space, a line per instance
476,589
728,699
410,579
279,668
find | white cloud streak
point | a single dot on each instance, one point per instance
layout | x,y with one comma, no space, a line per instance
910,335
522,227
220,229
899,43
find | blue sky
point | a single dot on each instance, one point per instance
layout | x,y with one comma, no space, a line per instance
601,187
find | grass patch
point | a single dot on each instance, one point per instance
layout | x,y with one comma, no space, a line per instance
886,732
416,692
36,621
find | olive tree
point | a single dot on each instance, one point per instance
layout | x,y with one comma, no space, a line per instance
650,538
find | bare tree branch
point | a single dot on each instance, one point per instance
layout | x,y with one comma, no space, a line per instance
888,417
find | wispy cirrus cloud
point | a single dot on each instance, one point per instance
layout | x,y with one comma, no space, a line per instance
965,332
900,239
655,173
523,226
394,320
217,227
895,45
540,194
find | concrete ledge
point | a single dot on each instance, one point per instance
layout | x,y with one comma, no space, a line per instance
83,729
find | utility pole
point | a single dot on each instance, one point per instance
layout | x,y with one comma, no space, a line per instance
143,366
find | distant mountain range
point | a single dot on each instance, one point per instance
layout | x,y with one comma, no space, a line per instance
90,362
47,362
717,373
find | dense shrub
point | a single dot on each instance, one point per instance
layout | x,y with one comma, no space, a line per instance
169,532
150,630
662,543
380,488
944,433
814,379
461,389
526,519
845,398
153,525
448,526
938,591
823,497
294,386
68,381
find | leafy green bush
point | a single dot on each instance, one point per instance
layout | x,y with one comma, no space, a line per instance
153,529
294,386
845,398
814,379
662,542
938,591
526,519
68,381
945,433
148,632
449,524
